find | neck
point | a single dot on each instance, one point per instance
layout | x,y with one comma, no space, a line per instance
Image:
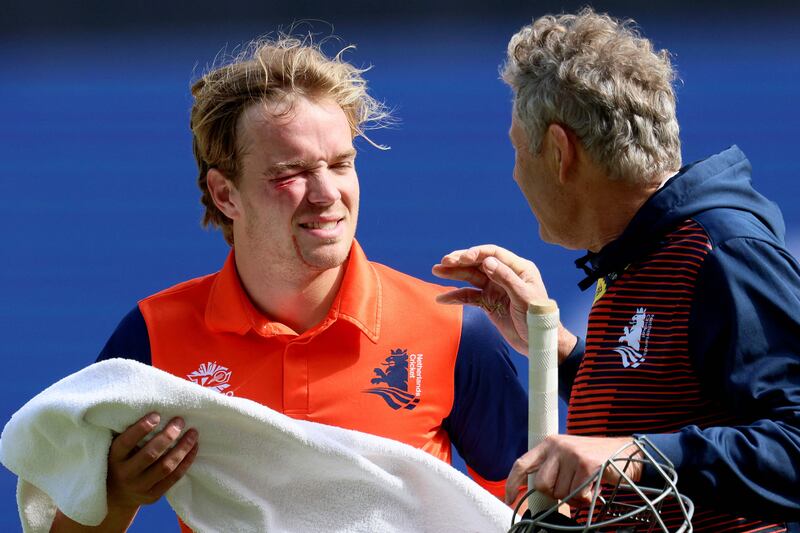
299,299
611,207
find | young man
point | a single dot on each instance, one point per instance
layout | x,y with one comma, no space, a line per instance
694,336
298,319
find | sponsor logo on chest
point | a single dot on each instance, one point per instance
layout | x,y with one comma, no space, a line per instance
401,378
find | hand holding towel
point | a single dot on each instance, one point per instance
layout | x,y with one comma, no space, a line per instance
256,469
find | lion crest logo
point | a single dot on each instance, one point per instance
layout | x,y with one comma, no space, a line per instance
636,332
394,375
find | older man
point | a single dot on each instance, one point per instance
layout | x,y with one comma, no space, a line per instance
298,319
694,335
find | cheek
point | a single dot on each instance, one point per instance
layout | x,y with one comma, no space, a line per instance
351,192
522,167
286,197
271,207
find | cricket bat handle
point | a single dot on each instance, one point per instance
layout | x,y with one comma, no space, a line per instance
543,320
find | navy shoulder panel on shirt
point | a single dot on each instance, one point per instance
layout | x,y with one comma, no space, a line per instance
129,341
488,424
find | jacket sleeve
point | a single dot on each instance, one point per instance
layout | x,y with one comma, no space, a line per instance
129,341
568,369
744,340
488,423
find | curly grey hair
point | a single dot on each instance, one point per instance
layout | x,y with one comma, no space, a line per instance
597,76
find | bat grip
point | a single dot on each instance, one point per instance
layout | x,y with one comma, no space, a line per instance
543,321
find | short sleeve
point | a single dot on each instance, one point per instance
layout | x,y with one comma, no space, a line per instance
129,341
488,424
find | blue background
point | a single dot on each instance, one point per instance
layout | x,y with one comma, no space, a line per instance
101,204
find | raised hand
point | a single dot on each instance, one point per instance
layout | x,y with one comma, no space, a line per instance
503,285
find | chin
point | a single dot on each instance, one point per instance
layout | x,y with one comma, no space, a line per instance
564,242
326,257
549,238
546,236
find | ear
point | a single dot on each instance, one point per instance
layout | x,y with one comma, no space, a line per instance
224,193
562,151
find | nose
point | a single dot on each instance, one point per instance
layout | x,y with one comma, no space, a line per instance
323,188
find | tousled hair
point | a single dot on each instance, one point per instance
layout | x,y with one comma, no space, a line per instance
597,76
269,70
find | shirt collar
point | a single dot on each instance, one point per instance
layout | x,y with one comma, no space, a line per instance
358,302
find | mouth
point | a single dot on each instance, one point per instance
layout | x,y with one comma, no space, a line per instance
323,225
326,229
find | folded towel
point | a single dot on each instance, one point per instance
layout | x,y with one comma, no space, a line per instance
256,469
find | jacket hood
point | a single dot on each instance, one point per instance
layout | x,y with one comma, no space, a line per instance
721,181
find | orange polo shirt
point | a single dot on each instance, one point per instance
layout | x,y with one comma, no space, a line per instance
386,360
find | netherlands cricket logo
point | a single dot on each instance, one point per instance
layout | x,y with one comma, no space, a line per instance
395,376
636,337
212,376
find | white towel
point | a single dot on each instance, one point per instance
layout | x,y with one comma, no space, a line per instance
256,470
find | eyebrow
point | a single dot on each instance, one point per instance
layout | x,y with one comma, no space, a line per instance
347,154
284,166
300,164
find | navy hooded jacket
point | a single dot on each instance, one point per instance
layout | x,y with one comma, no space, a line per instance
744,337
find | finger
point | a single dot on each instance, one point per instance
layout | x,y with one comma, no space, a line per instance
565,482
516,263
165,484
472,275
584,472
465,296
470,256
453,258
546,477
171,460
520,292
585,494
519,472
495,306
477,254
124,443
153,450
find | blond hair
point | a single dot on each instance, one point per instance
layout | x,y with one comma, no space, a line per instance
600,78
268,71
